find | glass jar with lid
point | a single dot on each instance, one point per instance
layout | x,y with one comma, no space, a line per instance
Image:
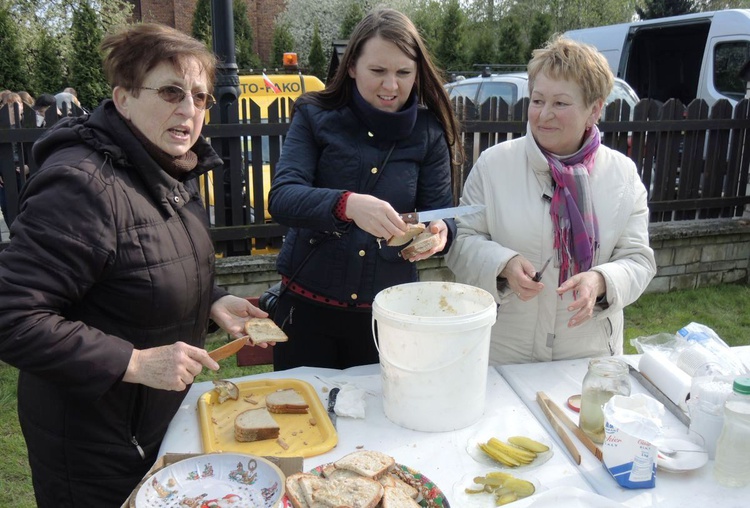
605,378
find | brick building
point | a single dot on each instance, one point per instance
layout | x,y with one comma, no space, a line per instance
179,14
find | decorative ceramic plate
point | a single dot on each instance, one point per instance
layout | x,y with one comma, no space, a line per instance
430,496
214,481
476,453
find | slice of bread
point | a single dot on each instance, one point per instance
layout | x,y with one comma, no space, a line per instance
286,401
414,230
422,243
295,491
263,330
355,492
310,485
393,497
255,425
368,463
391,480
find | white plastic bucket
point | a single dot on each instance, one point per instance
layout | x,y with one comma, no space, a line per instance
434,344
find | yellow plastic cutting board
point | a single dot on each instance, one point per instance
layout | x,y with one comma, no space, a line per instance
306,435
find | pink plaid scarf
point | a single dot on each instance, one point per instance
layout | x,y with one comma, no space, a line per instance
576,228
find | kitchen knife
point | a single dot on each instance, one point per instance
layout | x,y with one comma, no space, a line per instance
331,404
538,276
442,213
229,349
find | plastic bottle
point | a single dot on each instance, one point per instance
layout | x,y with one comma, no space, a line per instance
732,467
606,377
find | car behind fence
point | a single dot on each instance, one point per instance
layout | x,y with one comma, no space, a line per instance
693,160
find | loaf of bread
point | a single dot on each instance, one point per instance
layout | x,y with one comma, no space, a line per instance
414,230
255,425
422,243
286,401
264,330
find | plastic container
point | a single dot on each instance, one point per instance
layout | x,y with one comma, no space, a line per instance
605,378
434,345
732,466
706,407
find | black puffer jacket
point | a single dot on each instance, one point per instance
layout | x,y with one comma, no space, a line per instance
329,151
108,253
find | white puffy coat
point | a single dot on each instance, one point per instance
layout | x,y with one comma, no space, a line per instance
512,180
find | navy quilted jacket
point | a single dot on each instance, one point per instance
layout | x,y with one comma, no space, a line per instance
327,152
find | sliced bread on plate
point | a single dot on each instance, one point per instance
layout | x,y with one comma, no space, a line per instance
297,493
255,425
355,492
286,401
393,497
368,463
391,480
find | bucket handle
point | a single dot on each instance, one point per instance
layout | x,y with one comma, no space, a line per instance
407,369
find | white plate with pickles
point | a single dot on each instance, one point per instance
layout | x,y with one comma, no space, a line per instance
493,488
515,453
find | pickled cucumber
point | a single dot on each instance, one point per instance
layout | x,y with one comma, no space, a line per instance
528,444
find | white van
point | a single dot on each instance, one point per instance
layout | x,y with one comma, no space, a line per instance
514,86
684,57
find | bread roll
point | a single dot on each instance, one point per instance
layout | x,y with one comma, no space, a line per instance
414,230
422,243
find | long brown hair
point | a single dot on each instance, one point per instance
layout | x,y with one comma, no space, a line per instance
395,27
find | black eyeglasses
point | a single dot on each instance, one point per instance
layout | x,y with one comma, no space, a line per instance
173,94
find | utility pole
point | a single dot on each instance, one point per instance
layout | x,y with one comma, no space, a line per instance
229,209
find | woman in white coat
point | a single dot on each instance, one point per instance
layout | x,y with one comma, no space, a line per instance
557,194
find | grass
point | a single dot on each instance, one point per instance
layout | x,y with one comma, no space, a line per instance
723,308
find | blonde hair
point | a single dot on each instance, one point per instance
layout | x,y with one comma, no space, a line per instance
563,58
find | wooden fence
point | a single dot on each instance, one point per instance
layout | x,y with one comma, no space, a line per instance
693,161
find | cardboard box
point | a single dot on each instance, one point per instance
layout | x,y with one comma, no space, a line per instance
288,466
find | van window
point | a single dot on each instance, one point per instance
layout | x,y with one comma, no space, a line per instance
729,57
468,90
506,91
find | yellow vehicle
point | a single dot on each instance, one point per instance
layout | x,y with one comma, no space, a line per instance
263,90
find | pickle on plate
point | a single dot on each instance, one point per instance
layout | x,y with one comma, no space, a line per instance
504,487
528,444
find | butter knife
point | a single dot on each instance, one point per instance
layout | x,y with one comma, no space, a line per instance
331,404
229,349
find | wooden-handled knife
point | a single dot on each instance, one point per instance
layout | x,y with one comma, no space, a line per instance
229,349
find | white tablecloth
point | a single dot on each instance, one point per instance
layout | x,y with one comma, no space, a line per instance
441,456
559,380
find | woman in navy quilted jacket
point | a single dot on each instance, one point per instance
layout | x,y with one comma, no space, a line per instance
379,141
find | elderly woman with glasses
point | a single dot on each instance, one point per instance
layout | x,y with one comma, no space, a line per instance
107,286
